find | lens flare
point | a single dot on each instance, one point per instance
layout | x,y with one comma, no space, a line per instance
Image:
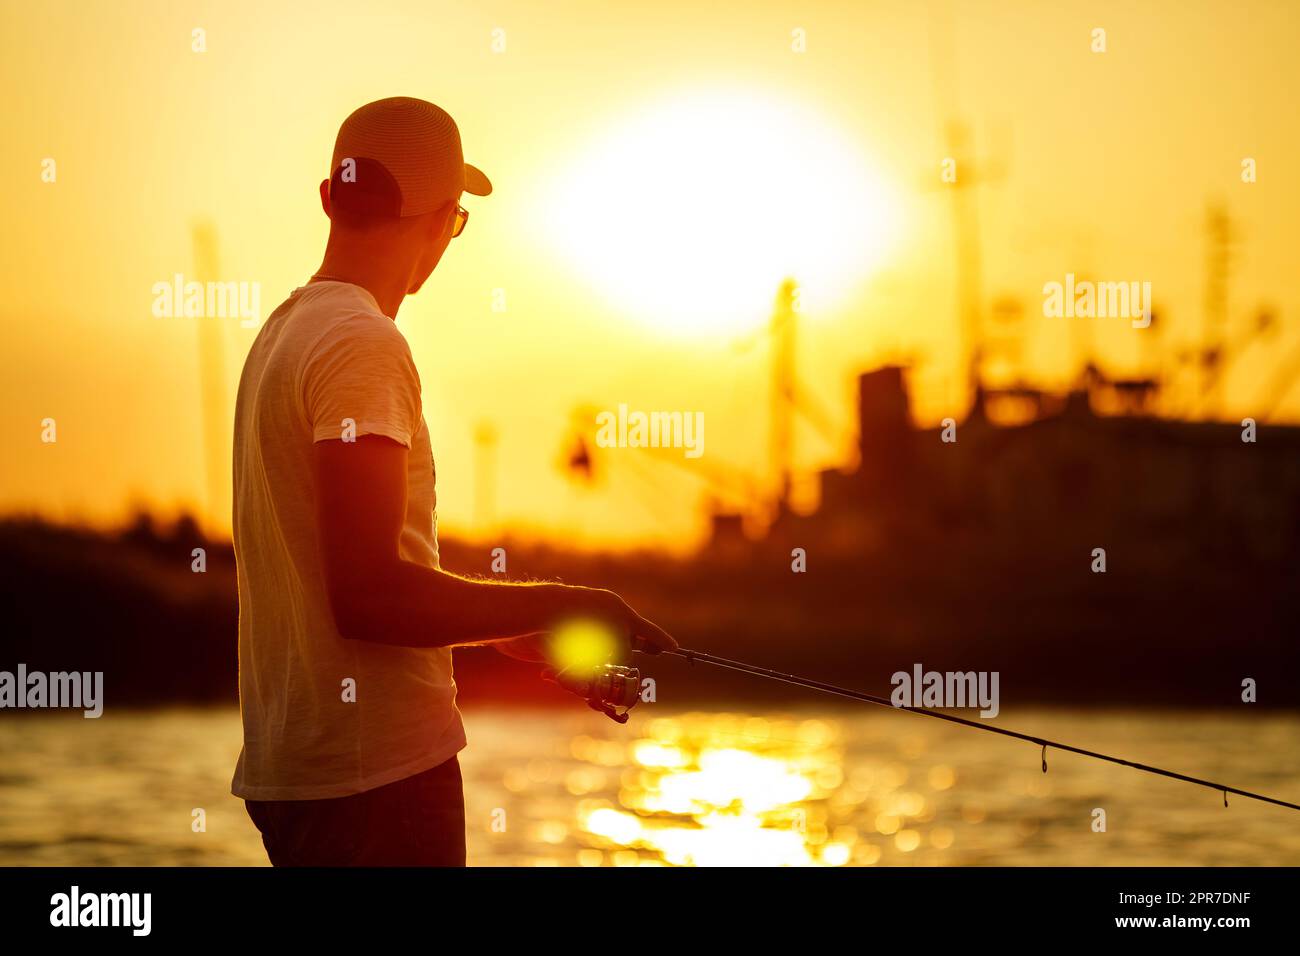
582,644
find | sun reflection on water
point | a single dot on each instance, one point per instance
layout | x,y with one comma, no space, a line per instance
849,788
846,788
722,789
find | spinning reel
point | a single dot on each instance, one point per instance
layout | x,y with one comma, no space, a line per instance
605,688
591,664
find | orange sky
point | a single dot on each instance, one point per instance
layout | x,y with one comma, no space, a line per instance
1107,163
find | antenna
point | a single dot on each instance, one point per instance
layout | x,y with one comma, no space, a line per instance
781,439
485,477
1218,270
968,173
212,382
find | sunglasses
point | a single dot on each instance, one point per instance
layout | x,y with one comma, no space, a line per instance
462,217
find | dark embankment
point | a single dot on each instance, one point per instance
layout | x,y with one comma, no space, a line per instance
129,604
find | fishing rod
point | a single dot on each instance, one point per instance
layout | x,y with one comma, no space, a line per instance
1043,742
612,686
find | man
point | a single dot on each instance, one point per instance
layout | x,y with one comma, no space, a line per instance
346,622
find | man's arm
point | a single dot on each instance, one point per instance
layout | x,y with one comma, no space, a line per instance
376,596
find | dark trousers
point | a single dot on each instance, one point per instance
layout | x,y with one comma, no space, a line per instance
419,821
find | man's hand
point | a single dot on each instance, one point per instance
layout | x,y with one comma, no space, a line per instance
606,606
645,636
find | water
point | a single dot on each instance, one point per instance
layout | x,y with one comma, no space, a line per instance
814,787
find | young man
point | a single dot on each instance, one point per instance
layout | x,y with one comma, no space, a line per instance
346,622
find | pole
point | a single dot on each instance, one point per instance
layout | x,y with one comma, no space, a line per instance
1043,742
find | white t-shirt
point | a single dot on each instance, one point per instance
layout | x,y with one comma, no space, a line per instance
327,354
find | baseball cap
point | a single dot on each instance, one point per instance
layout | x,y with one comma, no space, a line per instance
402,156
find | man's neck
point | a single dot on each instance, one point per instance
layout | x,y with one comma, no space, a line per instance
388,288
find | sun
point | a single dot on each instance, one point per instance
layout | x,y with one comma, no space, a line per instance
689,214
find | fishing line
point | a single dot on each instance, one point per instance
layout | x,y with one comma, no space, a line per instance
1043,742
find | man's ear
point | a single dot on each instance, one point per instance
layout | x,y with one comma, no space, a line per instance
325,195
